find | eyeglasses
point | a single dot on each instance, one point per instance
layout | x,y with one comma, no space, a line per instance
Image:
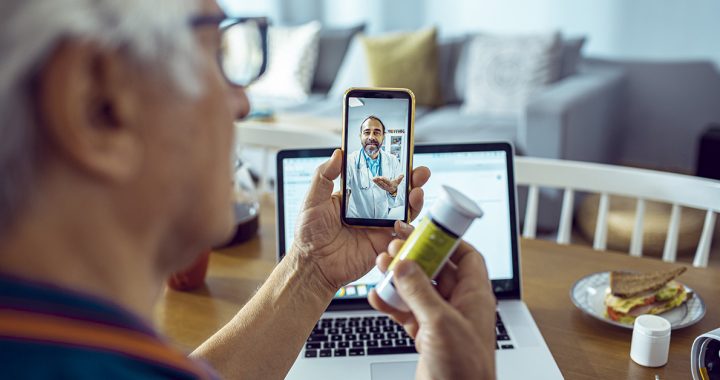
243,46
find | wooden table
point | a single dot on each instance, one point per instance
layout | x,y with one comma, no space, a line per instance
583,347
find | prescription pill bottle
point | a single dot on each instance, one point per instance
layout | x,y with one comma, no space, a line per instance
433,241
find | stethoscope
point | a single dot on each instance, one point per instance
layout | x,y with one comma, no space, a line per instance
366,185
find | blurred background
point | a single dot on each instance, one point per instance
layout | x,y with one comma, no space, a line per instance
668,52
632,83
638,29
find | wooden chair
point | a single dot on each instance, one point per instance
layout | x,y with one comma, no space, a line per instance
571,176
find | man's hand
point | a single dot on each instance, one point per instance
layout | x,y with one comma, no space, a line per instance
389,185
453,323
342,254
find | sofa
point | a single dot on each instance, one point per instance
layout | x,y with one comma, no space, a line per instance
573,118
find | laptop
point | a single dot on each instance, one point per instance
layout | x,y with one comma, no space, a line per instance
353,341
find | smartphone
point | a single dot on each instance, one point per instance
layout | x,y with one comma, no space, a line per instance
377,156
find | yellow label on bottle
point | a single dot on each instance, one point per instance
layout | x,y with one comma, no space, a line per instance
427,245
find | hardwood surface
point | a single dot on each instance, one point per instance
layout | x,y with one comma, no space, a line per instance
583,347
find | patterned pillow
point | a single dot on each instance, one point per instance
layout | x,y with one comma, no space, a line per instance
504,71
292,56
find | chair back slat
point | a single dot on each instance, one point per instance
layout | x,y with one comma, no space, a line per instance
531,213
671,240
703,249
636,243
641,184
566,217
672,188
601,227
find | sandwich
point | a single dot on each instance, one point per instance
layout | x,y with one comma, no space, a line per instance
633,294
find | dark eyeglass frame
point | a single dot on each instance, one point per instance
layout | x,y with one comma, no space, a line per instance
224,23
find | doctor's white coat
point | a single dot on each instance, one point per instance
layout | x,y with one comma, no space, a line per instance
368,200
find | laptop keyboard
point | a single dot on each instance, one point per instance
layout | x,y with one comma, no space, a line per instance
358,336
502,338
371,335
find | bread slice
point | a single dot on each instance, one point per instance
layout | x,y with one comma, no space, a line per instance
629,284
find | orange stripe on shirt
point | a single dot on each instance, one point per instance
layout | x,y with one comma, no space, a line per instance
50,328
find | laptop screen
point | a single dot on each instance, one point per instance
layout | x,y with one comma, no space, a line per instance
481,171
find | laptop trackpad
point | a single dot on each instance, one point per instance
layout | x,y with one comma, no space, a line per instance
393,370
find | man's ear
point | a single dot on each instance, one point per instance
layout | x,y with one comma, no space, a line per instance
88,105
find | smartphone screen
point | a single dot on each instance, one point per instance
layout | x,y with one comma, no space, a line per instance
377,148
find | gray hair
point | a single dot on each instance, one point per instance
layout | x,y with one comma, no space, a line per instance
152,31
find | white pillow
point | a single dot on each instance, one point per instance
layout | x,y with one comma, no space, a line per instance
292,57
504,71
353,71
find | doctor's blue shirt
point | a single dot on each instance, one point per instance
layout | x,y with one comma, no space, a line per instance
373,164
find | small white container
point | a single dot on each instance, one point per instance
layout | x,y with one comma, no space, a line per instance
650,341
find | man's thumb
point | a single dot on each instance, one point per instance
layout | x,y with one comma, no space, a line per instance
321,186
417,291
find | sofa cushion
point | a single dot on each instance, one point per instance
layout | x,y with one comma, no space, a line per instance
504,71
292,56
407,60
332,46
449,125
451,65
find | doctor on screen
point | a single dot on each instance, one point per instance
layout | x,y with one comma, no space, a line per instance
374,177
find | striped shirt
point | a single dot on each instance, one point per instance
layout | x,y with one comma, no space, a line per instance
48,332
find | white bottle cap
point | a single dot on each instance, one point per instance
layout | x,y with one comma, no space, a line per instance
455,211
650,341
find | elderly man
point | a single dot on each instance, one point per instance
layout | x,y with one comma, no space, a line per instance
115,134
373,175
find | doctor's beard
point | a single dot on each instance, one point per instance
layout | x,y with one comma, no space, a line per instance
371,147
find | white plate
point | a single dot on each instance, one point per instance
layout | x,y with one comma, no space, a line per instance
588,295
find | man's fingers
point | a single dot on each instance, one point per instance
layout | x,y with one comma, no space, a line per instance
404,318
322,183
399,179
402,229
462,249
471,269
394,246
446,280
417,291
416,199
420,176
383,261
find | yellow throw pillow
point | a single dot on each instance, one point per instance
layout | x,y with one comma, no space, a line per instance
408,60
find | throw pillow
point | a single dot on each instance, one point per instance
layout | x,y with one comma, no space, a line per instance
292,55
353,72
504,71
332,46
451,64
408,60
